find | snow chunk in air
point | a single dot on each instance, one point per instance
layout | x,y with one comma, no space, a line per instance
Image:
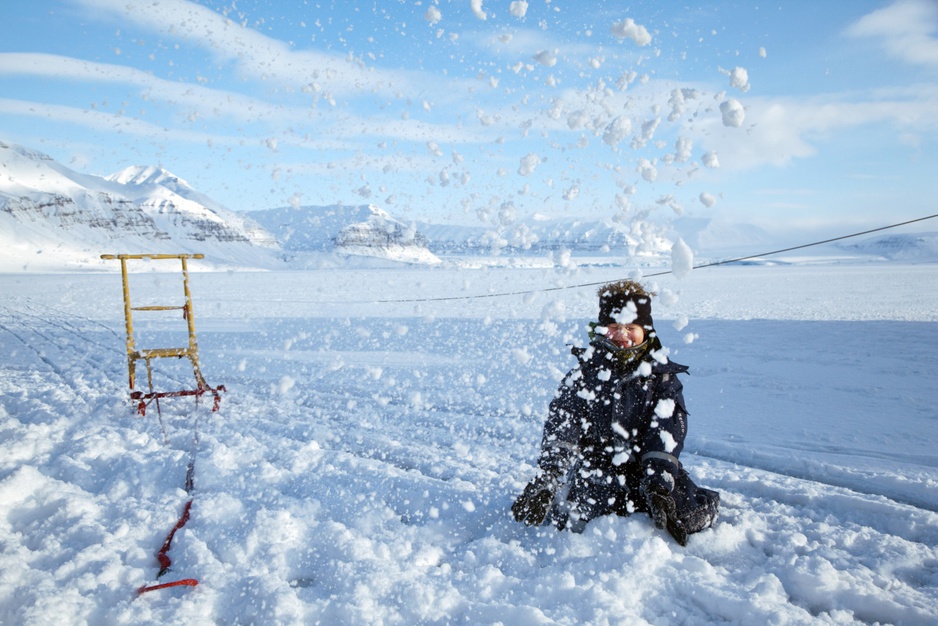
528,163
617,130
733,113
647,169
682,259
628,29
739,78
546,58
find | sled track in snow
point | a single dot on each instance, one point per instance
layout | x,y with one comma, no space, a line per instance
37,335
90,367
342,431
66,321
46,327
71,346
809,477
57,318
763,488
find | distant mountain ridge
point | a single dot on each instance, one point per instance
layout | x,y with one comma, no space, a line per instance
362,230
898,247
53,218
541,236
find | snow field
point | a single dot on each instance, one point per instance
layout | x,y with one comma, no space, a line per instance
365,455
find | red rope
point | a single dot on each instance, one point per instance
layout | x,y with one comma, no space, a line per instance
164,559
185,582
161,556
144,399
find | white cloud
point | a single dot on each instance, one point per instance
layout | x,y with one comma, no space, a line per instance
518,42
256,56
907,30
216,104
108,122
783,129
371,99
208,102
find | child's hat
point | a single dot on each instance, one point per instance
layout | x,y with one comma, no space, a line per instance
625,302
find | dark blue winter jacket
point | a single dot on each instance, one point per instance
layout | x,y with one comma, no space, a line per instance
616,419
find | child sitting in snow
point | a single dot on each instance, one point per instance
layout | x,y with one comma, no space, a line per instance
616,429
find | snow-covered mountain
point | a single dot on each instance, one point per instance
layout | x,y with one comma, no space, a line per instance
361,230
898,247
717,238
147,182
371,231
538,235
54,218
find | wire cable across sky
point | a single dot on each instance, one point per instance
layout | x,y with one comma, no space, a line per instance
664,273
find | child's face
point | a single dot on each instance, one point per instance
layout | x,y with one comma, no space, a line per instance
625,335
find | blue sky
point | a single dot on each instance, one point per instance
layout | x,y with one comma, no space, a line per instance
480,112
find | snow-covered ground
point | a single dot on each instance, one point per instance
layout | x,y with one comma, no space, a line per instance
366,453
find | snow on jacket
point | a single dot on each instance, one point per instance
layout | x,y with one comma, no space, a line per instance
615,417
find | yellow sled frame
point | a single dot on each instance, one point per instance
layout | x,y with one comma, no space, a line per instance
191,351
